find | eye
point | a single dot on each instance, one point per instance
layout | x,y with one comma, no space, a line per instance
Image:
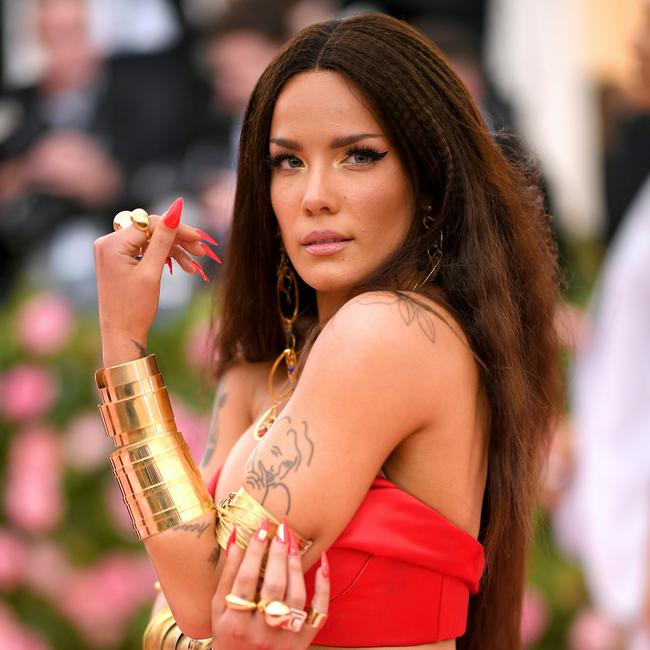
283,160
363,156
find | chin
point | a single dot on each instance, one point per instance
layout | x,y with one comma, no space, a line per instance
330,281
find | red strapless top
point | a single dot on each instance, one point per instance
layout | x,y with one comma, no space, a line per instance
401,574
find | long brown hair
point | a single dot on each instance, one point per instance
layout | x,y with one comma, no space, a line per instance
498,276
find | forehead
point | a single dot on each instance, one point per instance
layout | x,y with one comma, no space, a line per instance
319,104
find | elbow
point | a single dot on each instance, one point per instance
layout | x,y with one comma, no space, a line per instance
195,623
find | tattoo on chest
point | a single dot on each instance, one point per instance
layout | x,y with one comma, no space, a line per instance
213,434
268,475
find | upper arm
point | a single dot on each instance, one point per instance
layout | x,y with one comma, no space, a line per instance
231,416
368,383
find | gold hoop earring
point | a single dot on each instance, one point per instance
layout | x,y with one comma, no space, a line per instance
428,218
435,254
288,306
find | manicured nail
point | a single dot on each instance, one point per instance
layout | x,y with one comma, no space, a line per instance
294,547
168,261
211,254
199,270
324,565
172,217
231,540
283,531
263,531
208,238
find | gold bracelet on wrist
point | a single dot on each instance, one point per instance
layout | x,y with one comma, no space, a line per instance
157,475
162,633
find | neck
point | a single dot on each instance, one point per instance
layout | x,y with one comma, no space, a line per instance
328,304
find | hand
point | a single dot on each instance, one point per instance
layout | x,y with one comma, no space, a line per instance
283,581
128,290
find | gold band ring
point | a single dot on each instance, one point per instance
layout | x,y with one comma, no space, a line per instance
240,604
276,613
315,618
138,218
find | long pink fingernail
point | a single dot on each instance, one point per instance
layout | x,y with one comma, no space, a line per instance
168,261
172,217
211,254
282,534
200,270
263,531
294,547
208,238
231,540
324,565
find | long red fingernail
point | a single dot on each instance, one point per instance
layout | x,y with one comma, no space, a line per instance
209,238
231,539
324,565
199,270
282,534
294,547
211,254
263,531
168,261
172,217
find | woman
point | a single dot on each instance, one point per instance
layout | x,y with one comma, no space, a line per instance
408,437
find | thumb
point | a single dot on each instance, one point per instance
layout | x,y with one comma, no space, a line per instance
163,236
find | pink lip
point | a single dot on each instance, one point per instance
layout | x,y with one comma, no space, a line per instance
324,242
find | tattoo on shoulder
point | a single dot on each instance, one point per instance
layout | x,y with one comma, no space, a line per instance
213,433
199,529
141,349
294,451
409,312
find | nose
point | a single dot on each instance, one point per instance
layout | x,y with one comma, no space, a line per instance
320,196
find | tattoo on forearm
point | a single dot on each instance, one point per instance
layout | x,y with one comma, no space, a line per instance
213,434
214,556
199,529
408,311
141,349
268,476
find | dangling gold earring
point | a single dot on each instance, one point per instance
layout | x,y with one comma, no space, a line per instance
434,253
286,285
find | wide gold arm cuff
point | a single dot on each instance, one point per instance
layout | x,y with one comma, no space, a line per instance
162,633
157,475
240,509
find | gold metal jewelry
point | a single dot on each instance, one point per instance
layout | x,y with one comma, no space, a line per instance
138,218
162,633
315,618
240,604
428,218
287,298
277,613
296,621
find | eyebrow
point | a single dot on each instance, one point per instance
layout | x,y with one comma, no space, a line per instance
336,143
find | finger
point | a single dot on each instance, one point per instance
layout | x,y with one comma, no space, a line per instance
162,240
275,574
296,595
321,599
127,242
245,584
233,559
183,258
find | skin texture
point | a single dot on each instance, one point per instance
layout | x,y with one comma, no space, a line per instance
409,400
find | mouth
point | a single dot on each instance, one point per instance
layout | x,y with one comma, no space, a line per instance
325,242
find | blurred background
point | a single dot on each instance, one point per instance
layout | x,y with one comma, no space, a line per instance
115,104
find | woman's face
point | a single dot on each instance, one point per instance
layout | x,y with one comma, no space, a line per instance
338,189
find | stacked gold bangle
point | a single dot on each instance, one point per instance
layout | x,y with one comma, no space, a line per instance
159,480
162,633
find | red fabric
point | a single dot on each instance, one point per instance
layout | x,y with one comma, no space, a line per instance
212,483
401,573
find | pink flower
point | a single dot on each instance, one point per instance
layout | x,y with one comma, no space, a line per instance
534,616
194,427
14,635
33,497
48,571
86,446
13,559
117,509
101,599
590,630
198,347
45,323
26,392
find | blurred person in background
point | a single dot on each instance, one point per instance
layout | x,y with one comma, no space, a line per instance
84,135
604,517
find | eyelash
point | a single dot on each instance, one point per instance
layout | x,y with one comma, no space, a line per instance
274,160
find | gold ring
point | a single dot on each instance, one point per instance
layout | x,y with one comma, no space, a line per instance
315,618
240,604
276,613
138,218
